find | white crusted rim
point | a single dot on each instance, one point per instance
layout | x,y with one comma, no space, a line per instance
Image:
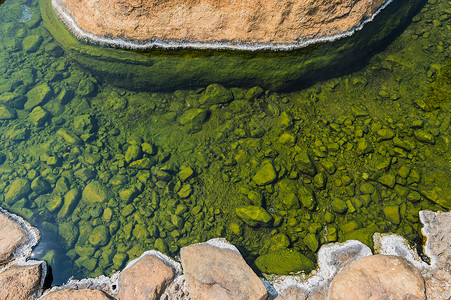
166,259
24,251
223,244
84,35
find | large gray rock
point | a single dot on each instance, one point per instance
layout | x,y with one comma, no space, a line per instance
21,282
216,270
12,236
378,277
147,277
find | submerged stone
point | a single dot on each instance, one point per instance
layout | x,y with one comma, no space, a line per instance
7,113
338,206
307,198
95,192
18,189
265,175
388,180
215,94
305,164
284,262
254,215
133,153
32,43
424,136
193,117
37,96
39,116
99,236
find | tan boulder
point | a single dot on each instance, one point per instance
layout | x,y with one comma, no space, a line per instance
147,277
378,277
20,282
216,270
12,236
71,294
208,21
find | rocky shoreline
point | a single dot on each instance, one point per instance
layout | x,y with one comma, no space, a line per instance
216,270
254,25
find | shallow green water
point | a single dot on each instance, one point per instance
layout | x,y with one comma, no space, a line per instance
106,173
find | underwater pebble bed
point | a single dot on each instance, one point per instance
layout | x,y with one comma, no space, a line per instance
107,173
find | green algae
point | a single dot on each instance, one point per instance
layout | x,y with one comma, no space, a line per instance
168,70
343,176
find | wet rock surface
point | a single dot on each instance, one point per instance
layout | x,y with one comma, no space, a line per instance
227,22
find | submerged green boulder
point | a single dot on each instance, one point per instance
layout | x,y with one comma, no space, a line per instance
32,43
216,94
305,164
339,206
254,215
284,262
99,236
95,192
307,198
193,117
37,96
392,214
69,232
265,175
7,113
18,189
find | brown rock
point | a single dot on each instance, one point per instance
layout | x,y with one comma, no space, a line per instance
438,230
12,236
146,279
378,277
229,21
84,294
216,270
20,282
292,293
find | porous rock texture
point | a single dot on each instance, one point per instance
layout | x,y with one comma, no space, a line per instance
12,236
216,270
21,283
145,279
84,294
378,277
229,22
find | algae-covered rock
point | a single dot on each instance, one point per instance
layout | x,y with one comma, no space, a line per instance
439,196
38,116
32,43
279,241
133,153
83,124
7,113
265,175
392,214
423,136
18,189
365,235
320,181
389,180
185,173
311,241
143,164
13,100
287,139
185,191
161,245
290,201
95,192
37,96
364,146
254,215
86,88
99,236
367,188
338,206
70,202
307,198
284,262
54,203
305,164
215,94
40,185
193,117
69,232
69,137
